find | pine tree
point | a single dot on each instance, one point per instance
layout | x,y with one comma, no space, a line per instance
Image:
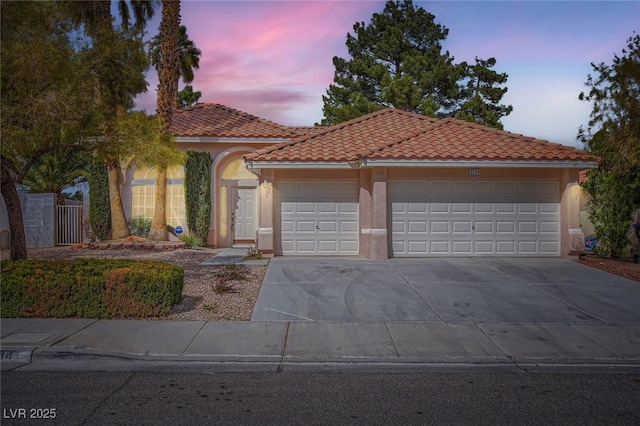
396,61
482,95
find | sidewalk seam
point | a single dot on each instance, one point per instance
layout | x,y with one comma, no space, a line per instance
416,292
23,327
594,340
510,358
395,347
62,339
194,338
284,349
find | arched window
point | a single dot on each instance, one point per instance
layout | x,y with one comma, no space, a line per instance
143,191
236,170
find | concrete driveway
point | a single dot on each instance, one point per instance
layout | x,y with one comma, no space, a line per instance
453,290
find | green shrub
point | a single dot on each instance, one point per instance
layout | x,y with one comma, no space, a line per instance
139,226
197,192
89,288
253,254
191,240
99,207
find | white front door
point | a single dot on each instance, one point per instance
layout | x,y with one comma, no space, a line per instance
243,218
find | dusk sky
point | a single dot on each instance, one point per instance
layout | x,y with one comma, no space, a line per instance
273,59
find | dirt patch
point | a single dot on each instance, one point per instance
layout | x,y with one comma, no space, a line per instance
200,302
623,268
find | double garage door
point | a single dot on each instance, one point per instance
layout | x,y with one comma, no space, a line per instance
474,218
426,218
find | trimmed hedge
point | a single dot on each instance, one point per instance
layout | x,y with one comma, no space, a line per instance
89,288
99,205
197,193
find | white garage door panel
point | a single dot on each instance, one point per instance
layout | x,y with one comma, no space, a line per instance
467,218
318,218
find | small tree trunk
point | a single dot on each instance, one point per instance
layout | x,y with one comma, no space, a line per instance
158,230
17,241
119,227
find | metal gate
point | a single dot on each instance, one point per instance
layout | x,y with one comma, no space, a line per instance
69,225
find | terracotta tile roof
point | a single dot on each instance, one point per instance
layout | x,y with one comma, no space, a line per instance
395,134
307,130
215,120
454,139
349,140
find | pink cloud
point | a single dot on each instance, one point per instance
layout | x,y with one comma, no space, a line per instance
266,56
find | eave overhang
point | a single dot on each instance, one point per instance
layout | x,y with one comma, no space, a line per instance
366,163
561,164
257,165
212,139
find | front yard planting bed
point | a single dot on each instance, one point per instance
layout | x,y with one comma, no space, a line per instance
89,288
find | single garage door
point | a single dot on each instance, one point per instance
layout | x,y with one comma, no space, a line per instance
475,218
318,218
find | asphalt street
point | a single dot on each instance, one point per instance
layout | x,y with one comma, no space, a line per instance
158,398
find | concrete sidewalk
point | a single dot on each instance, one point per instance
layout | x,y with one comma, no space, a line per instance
27,343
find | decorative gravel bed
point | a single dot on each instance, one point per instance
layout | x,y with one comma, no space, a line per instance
623,268
200,301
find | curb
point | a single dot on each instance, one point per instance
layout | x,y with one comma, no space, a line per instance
46,359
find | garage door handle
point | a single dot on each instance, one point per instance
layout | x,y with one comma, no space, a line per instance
317,227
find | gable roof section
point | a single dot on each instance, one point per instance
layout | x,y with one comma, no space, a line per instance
392,134
454,139
350,140
215,120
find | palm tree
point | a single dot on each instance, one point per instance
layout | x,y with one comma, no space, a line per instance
168,76
96,15
57,171
187,97
189,54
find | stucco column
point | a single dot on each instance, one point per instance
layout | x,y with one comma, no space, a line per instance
572,237
379,247
212,237
264,234
366,213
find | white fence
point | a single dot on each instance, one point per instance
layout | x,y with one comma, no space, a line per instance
69,225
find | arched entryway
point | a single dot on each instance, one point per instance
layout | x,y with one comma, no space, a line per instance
237,203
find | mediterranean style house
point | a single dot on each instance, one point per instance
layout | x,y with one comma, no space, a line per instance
388,184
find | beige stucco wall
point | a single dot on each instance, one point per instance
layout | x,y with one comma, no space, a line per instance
585,222
317,174
571,235
221,153
366,213
506,173
379,231
265,233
